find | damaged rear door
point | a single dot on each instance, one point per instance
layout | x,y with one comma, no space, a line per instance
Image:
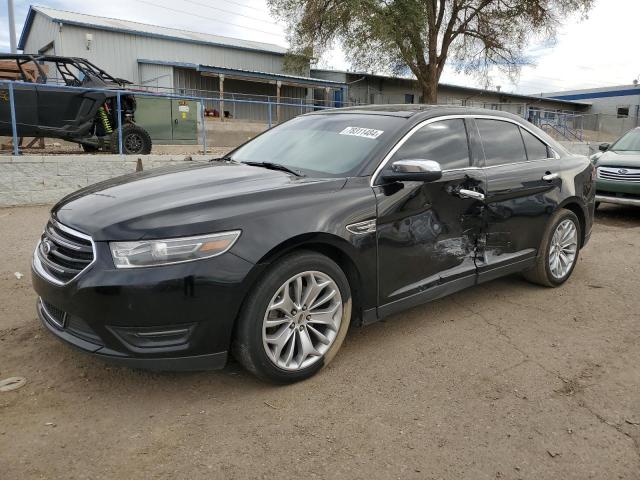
428,232
523,190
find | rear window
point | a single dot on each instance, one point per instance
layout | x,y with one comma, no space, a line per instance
536,149
501,141
322,145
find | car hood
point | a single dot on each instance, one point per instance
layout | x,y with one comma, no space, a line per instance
186,200
612,158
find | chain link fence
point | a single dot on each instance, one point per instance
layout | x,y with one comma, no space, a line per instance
583,130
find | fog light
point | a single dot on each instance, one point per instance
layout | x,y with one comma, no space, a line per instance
154,337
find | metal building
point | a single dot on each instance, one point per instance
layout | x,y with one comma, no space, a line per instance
167,59
621,100
614,110
366,88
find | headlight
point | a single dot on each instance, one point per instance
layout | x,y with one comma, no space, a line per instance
150,253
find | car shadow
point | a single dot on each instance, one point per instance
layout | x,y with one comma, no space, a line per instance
617,215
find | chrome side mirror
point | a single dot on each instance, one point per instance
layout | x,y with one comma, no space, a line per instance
413,170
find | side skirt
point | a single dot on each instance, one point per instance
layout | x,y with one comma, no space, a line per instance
439,291
506,269
373,315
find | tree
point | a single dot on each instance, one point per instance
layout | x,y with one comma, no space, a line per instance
422,36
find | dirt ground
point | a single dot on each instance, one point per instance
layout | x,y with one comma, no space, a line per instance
505,380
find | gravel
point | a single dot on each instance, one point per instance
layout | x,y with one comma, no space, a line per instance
504,380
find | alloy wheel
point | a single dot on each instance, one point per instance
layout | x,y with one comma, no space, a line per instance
133,143
562,252
302,320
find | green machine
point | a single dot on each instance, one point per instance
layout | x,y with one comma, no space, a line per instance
168,121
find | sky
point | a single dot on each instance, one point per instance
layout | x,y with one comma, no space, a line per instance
595,52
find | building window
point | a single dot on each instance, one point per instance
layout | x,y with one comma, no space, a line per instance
623,112
408,98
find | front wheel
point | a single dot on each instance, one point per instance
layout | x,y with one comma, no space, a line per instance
295,320
558,252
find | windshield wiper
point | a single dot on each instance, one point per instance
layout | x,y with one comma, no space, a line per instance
226,158
274,166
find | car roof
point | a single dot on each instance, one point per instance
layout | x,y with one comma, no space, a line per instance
416,110
416,113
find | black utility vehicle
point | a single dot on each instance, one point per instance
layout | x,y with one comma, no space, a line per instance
81,116
331,218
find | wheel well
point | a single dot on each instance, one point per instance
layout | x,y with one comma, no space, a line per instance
575,208
340,258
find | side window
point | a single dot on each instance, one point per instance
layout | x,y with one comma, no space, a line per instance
501,141
444,141
536,149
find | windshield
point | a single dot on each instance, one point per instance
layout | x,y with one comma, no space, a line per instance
629,142
321,145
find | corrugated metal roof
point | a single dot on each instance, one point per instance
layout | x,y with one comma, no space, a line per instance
136,28
480,91
243,73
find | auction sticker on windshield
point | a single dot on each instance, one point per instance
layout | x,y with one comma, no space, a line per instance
362,132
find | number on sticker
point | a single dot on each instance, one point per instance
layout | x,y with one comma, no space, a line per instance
362,132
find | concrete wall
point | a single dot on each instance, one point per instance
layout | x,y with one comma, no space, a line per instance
610,105
44,179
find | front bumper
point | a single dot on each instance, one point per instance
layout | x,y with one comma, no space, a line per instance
619,200
209,361
176,317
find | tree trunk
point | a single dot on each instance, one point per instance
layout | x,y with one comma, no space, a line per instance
429,85
429,92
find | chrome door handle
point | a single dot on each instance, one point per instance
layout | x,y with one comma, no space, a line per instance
549,176
462,193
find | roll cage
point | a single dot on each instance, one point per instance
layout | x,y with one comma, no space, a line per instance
74,71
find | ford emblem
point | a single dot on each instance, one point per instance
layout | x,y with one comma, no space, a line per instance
46,247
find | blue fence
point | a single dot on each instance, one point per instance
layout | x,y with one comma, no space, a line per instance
269,105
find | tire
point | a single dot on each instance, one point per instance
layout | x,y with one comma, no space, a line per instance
253,334
89,148
135,140
543,273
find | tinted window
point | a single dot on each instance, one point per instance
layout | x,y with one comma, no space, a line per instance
536,150
444,141
502,142
321,145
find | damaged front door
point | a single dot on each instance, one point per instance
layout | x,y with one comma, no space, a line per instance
427,232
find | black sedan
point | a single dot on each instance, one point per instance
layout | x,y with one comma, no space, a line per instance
329,219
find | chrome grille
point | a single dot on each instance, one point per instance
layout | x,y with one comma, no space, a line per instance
62,253
620,174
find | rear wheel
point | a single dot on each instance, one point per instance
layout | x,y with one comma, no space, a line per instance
295,320
89,148
135,140
558,252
